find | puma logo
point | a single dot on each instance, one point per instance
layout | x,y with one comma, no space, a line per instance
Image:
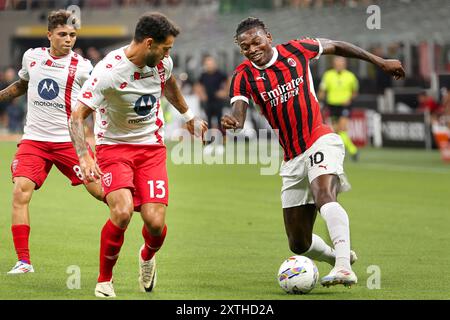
262,77
322,166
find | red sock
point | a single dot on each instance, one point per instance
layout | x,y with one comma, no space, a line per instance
152,243
111,241
21,233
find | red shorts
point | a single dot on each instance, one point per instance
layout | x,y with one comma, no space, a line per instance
34,159
140,168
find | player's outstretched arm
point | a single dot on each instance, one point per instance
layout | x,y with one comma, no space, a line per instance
14,90
237,118
89,168
345,49
195,125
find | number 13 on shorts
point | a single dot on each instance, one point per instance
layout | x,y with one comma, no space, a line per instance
157,189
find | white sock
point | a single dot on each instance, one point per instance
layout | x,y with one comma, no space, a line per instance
320,251
338,226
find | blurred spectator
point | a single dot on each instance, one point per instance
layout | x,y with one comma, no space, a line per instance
79,51
16,114
382,79
99,3
211,90
79,3
3,105
338,88
127,3
16,108
446,106
94,55
327,3
427,102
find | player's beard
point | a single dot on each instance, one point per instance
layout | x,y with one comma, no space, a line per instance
152,60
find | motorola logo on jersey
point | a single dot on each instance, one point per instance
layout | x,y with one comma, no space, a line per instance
48,89
144,105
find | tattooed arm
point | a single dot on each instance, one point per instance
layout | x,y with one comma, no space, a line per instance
89,168
345,49
237,118
15,90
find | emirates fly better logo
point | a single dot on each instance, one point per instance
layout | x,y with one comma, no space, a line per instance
48,89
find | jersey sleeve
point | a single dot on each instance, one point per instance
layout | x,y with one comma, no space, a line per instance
92,92
311,48
85,72
23,72
239,87
168,66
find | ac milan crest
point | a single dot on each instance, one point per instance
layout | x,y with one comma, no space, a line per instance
291,62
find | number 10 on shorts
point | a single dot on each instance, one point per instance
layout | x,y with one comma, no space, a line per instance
157,189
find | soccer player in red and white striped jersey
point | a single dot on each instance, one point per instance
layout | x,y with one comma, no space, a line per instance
278,79
51,78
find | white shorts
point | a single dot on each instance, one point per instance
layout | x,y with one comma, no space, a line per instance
325,156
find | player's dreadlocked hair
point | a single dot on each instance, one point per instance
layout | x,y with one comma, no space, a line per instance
248,24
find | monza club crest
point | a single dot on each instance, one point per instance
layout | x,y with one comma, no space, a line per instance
107,179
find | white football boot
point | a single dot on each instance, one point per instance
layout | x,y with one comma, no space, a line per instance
147,273
105,289
339,275
21,268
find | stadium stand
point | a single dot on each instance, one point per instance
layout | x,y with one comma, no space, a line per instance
424,48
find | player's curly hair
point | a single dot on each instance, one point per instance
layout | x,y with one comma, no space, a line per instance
247,24
155,25
59,18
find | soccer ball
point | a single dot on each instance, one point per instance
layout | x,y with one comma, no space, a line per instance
298,274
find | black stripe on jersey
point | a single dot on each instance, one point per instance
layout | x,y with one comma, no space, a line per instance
242,86
241,89
254,88
310,46
302,59
281,80
268,108
231,92
297,109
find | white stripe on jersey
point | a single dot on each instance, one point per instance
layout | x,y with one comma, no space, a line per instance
126,99
53,86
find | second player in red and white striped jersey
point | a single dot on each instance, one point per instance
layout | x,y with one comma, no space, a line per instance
126,99
53,87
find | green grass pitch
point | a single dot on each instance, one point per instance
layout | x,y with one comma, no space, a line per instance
226,238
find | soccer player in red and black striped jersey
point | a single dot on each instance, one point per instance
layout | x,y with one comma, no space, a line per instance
279,80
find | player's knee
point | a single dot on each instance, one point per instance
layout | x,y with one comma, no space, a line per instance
121,215
155,220
299,246
156,227
323,196
21,194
